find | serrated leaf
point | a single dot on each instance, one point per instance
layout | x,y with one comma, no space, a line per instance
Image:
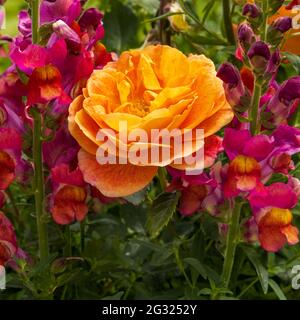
197,265
161,213
277,290
261,271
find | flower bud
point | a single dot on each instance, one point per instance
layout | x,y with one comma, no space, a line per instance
259,55
245,35
236,94
91,18
71,37
177,21
251,10
24,23
282,24
283,101
274,62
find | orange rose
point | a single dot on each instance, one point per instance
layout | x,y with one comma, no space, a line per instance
154,88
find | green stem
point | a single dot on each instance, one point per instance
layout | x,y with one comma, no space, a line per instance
35,16
164,34
68,247
231,244
162,176
255,122
228,22
265,19
39,187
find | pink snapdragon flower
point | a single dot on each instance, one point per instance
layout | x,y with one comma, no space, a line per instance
196,189
271,206
8,240
255,159
11,163
53,10
68,203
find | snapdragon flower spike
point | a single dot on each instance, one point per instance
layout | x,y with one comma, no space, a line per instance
271,208
246,36
259,55
69,197
237,95
251,10
45,84
285,100
10,156
8,240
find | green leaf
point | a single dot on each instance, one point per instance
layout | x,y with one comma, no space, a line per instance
277,290
207,9
138,197
161,213
196,264
43,266
261,271
121,26
116,296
